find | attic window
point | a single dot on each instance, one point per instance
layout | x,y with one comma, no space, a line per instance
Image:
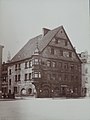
61,31
56,41
66,43
70,54
52,51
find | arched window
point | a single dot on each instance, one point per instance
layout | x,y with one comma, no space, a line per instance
29,90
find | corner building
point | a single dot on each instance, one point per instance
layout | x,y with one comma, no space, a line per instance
47,66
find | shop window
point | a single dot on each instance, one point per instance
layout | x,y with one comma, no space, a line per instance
29,90
15,90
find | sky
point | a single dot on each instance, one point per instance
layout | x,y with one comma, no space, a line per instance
21,20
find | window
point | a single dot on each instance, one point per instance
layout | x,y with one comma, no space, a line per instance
15,78
49,76
61,52
72,67
29,76
60,65
19,77
39,74
48,63
36,61
65,77
9,91
59,77
36,74
54,76
25,77
25,65
70,54
9,81
72,78
56,41
54,64
86,70
30,64
15,90
16,67
65,66
9,71
19,66
66,43
52,51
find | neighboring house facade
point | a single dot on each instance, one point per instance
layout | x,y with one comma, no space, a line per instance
85,58
47,66
4,82
1,50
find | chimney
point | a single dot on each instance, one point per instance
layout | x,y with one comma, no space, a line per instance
1,49
45,31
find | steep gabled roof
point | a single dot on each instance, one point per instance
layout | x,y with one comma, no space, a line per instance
29,48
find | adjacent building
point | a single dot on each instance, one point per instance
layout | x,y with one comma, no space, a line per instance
85,58
47,66
4,81
1,50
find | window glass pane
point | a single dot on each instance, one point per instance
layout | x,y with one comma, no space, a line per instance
52,51
48,63
36,74
36,61
53,64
